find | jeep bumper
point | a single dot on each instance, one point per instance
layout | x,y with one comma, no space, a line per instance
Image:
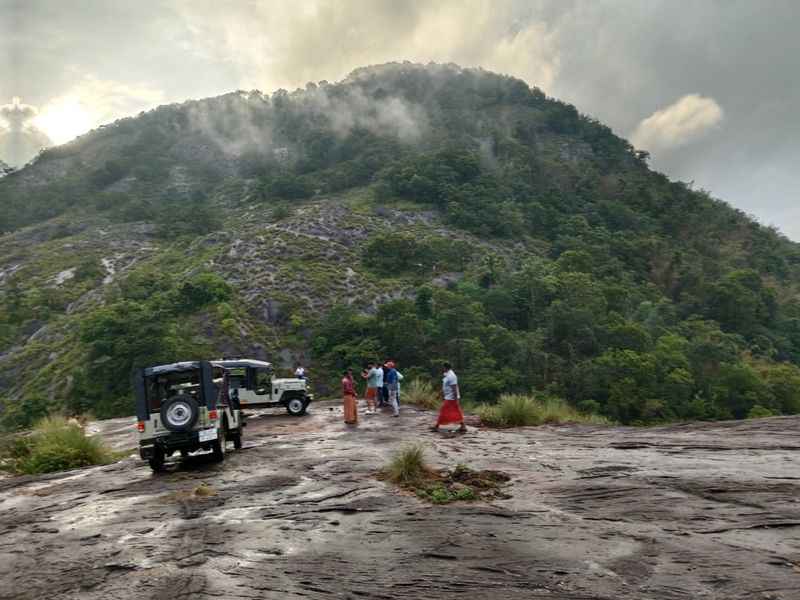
187,440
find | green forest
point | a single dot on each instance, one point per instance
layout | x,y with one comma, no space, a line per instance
548,258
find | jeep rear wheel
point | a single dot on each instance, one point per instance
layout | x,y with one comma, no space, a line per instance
157,460
218,447
296,407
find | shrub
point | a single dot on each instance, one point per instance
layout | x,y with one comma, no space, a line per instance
439,494
55,444
516,410
203,289
513,410
280,212
408,465
421,393
759,412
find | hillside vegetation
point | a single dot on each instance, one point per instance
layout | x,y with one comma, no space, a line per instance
418,212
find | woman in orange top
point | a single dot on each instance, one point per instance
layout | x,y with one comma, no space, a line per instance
350,399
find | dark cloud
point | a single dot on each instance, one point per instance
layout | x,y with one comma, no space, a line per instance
654,69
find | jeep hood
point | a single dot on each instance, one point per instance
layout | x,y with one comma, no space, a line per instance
287,381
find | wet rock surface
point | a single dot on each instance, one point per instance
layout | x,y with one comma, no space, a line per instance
686,511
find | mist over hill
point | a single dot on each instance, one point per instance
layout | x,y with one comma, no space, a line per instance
415,211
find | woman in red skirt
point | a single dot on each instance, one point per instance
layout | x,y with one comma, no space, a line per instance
451,409
350,398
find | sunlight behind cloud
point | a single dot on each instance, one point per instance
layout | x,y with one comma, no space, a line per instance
64,119
92,102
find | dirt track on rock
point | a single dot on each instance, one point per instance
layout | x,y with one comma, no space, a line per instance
685,511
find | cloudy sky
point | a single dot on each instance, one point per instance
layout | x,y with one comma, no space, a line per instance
710,88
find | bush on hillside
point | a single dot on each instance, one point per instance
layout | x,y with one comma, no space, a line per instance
759,412
517,410
55,444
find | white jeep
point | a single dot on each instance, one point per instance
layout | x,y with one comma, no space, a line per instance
250,383
184,407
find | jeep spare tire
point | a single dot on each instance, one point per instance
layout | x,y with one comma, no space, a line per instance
179,413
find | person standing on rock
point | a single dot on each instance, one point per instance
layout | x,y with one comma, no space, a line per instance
379,382
393,365
299,371
383,397
450,412
350,399
374,377
391,385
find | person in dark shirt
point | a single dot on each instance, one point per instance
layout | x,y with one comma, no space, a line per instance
391,380
384,393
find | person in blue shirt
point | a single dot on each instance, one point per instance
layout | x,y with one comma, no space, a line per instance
392,380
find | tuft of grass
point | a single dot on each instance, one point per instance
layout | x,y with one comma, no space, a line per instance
513,410
408,465
517,410
408,470
55,444
204,490
421,393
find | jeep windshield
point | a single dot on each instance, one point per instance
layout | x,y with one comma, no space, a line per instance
247,373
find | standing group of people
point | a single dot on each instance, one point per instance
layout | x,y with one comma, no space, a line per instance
383,389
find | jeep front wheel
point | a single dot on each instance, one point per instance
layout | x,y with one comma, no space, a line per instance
296,407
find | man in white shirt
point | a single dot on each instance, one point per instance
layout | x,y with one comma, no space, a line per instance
378,374
451,409
450,385
299,371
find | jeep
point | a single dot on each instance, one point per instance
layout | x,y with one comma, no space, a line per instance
184,407
251,383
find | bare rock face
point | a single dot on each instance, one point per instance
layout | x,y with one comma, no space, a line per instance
685,511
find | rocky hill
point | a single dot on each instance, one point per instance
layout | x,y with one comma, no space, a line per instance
415,211
688,511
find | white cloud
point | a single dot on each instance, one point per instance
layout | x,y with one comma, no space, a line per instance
273,45
678,124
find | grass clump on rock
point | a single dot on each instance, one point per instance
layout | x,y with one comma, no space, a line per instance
421,393
408,465
517,410
55,444
409,470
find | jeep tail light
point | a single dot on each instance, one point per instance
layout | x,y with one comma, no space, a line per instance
212,414
140,426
